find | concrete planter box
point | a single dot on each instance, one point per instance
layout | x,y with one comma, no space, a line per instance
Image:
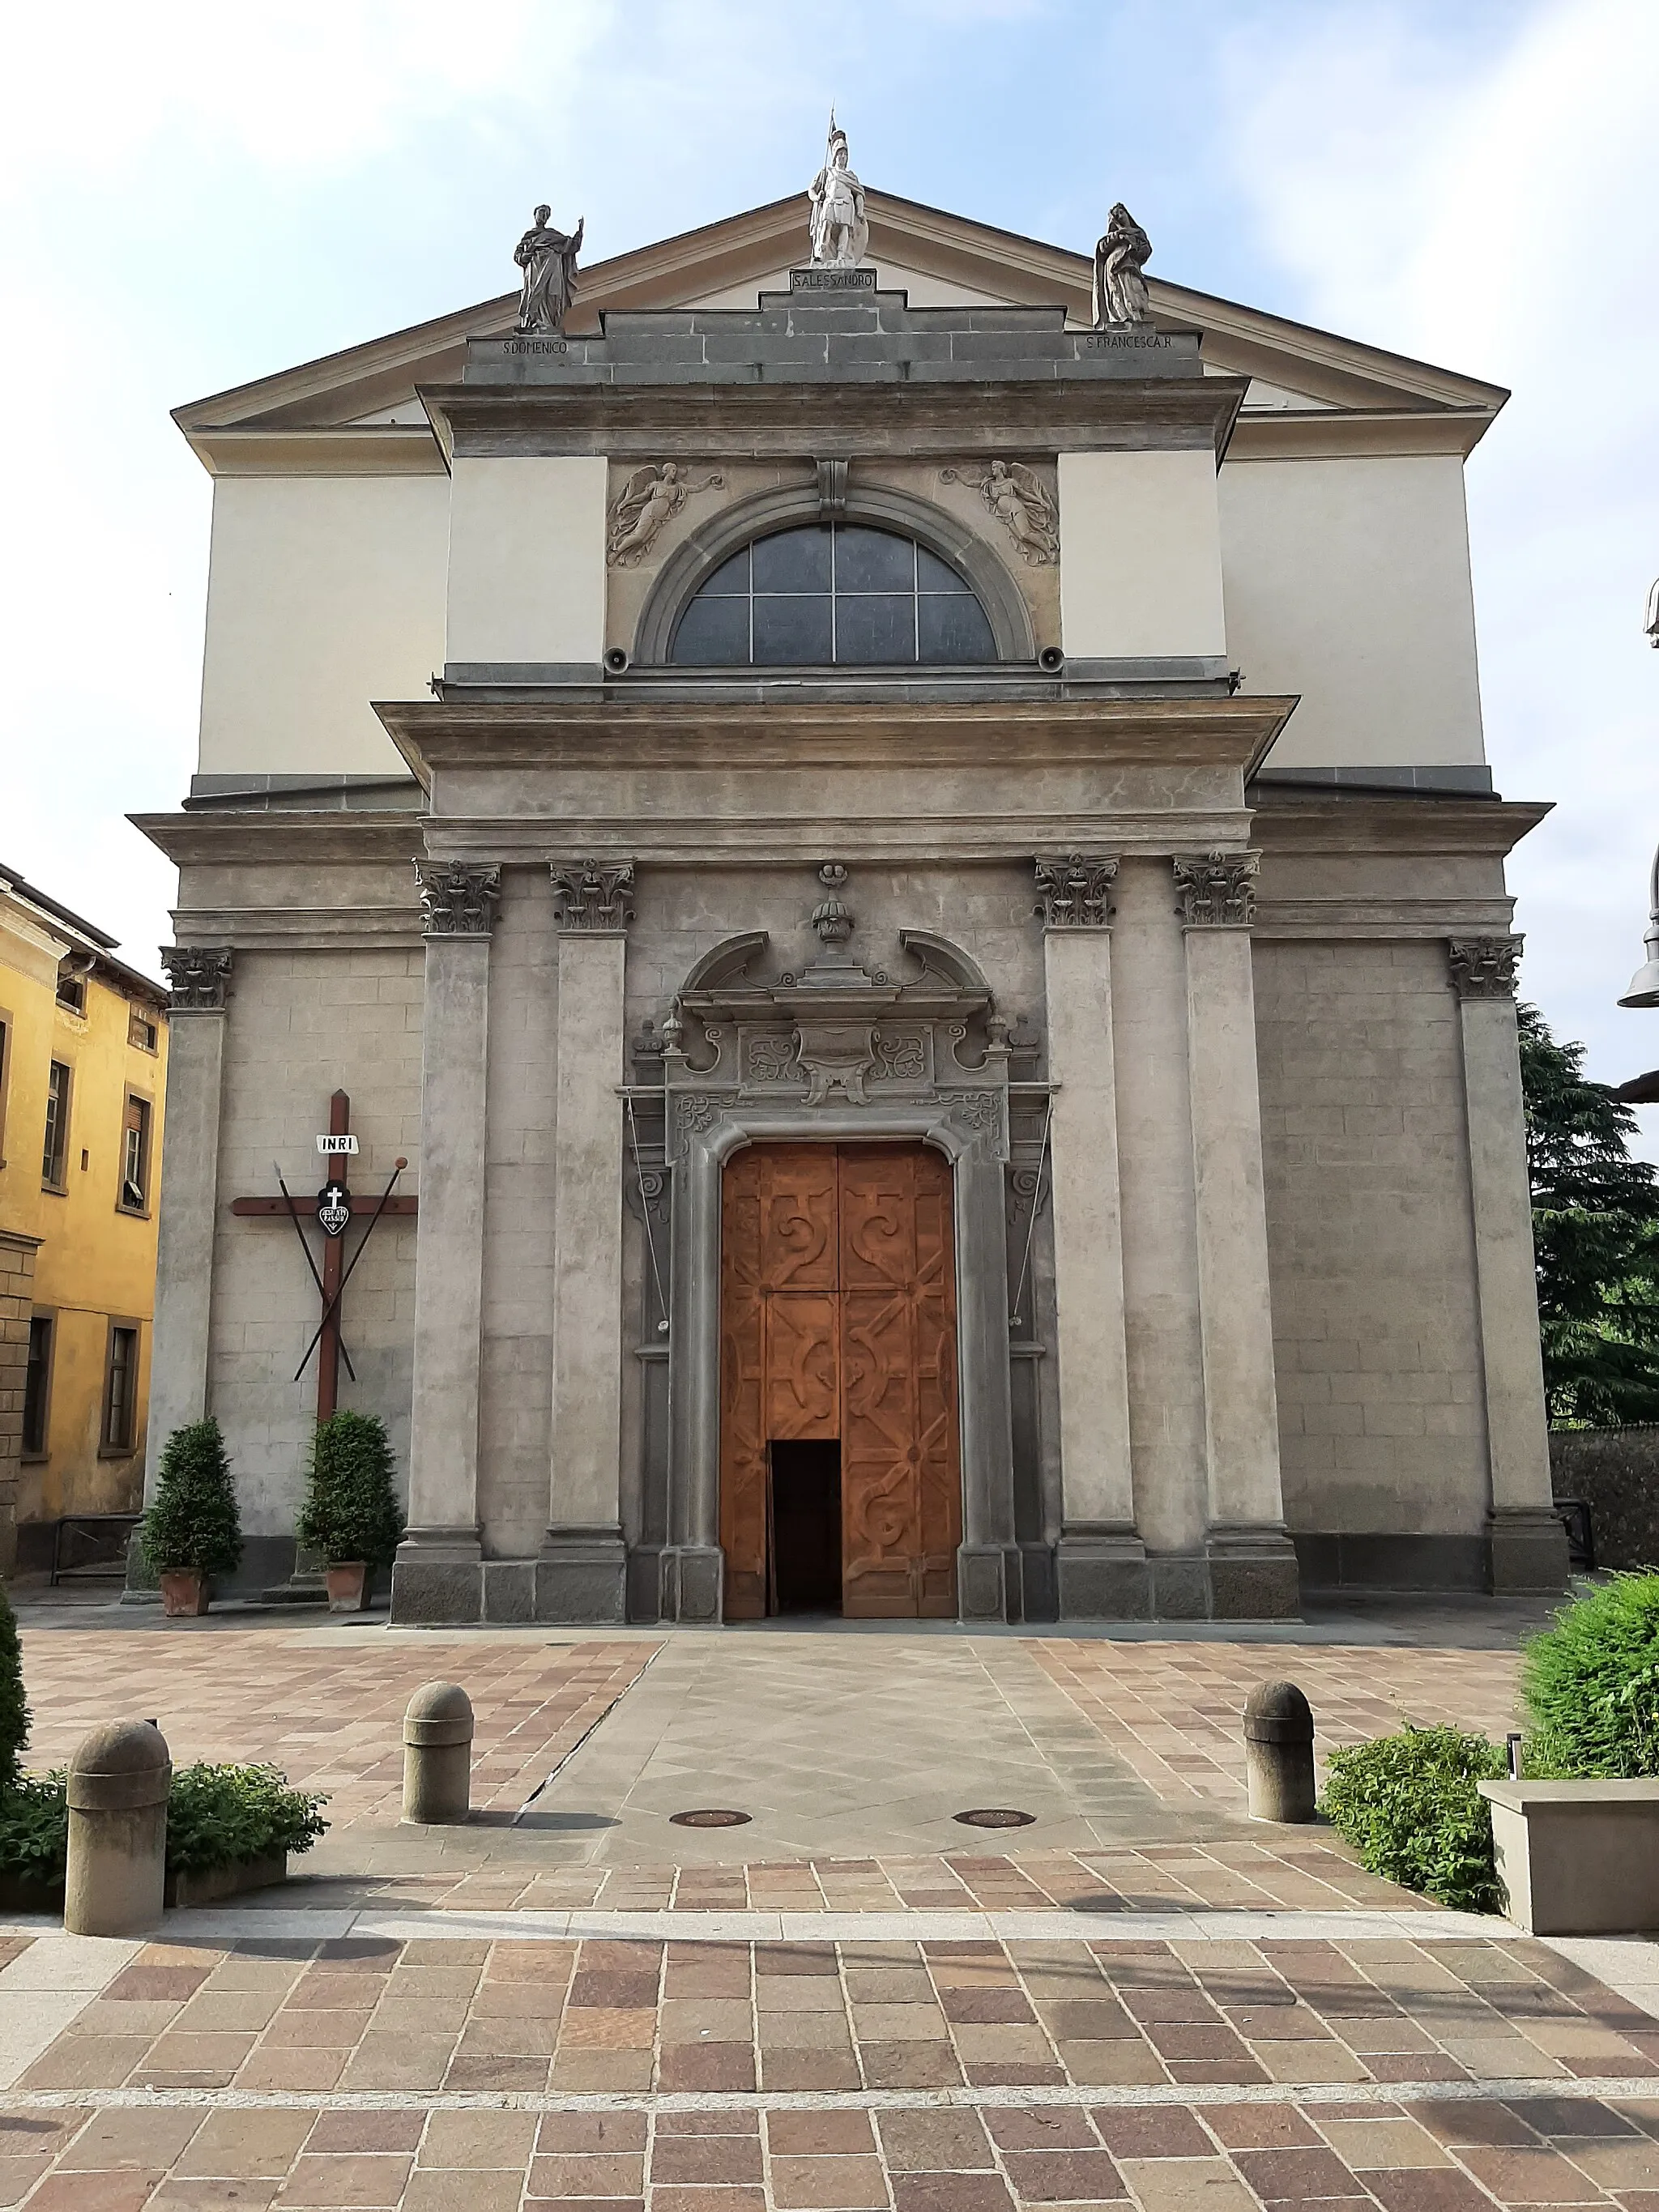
1577,1858
210,1887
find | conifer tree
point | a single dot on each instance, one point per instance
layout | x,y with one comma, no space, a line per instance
1596,1232
193,1521
351,1510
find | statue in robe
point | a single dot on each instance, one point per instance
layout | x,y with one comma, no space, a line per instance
1120,287
548,260
840,230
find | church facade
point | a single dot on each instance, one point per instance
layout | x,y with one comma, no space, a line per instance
898,844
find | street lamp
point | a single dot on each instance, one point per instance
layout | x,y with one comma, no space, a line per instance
1644,983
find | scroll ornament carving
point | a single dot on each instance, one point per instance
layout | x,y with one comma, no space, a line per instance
902,1055
1484,967
694,1113
836,1056
1075,893
589,895
197,977
1216,890
646,503
1022,503
458,901
772,1059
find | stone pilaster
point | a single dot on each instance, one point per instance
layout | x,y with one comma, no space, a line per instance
581,1575
199,983
1100,1565
1252,1562
439,1574
1528,1544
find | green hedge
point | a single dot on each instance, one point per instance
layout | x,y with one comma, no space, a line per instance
192,1520
1410,1807
1591,1683
350,1510
217,1816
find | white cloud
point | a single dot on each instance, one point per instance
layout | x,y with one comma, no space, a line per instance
1502,222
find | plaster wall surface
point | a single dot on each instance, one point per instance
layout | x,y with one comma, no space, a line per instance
526,560
324,594
1140,555
1347,581
301,1025
1369,1229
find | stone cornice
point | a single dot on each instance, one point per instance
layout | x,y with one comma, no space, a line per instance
787,421
1373,824
334,839
1272,433
623,734
370,449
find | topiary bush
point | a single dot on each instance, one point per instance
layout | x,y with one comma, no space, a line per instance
1409,1806
351,1510
193,1521
14,1706
1591,1683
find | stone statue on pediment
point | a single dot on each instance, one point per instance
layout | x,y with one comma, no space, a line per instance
1119,257
548,258
841,232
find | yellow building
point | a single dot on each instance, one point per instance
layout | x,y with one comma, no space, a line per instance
84,1041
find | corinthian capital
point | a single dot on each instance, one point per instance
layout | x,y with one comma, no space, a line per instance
1216,890
1483,966
456,900
196,978
592,895
1076,892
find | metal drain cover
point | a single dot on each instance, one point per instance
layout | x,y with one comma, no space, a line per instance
709,1817
995,1816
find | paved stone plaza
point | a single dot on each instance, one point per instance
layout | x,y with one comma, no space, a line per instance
849,2001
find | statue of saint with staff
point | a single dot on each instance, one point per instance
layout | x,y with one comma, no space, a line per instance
548,260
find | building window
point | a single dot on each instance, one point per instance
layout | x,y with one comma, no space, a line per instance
5,1078
142,1030
37,1387
55,1153
120,1388
72,991
135,1156
843,596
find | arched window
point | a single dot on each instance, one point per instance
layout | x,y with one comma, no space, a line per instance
839,595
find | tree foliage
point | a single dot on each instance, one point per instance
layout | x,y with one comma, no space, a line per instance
193,1520
1595,1230
350,1510
1410,1806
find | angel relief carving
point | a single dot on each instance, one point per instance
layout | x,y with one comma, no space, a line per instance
1022,503
650,499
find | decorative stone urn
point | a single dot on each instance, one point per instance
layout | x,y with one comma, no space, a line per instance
184,1593
348,1586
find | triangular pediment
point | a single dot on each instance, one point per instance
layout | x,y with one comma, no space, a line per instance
368,392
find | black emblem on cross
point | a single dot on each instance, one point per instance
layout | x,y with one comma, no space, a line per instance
333,1208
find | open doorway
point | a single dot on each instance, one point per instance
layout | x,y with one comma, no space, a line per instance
803,1526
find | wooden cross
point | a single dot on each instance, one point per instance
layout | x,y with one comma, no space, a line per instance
335,1209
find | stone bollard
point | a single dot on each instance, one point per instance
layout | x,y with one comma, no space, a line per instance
1279,1759
118,1830
438,1756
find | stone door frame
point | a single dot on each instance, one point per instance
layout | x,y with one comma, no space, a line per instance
969,1127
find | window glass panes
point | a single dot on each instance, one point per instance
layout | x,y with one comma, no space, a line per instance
837,594
952,628
36,1377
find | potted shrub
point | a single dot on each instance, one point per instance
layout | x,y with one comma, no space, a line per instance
350,1515
192,1531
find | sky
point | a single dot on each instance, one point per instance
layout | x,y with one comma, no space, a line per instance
195,195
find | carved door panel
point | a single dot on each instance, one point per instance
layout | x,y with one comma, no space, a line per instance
743,1389
838,1320
900,1477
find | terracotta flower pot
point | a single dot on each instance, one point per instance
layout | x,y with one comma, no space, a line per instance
347,1587
184,1593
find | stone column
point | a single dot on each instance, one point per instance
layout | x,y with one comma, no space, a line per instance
199,979
1528,1544
582,1572
1252,1561
438,1573
1101,1566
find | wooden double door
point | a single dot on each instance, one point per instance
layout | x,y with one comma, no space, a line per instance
838,1325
